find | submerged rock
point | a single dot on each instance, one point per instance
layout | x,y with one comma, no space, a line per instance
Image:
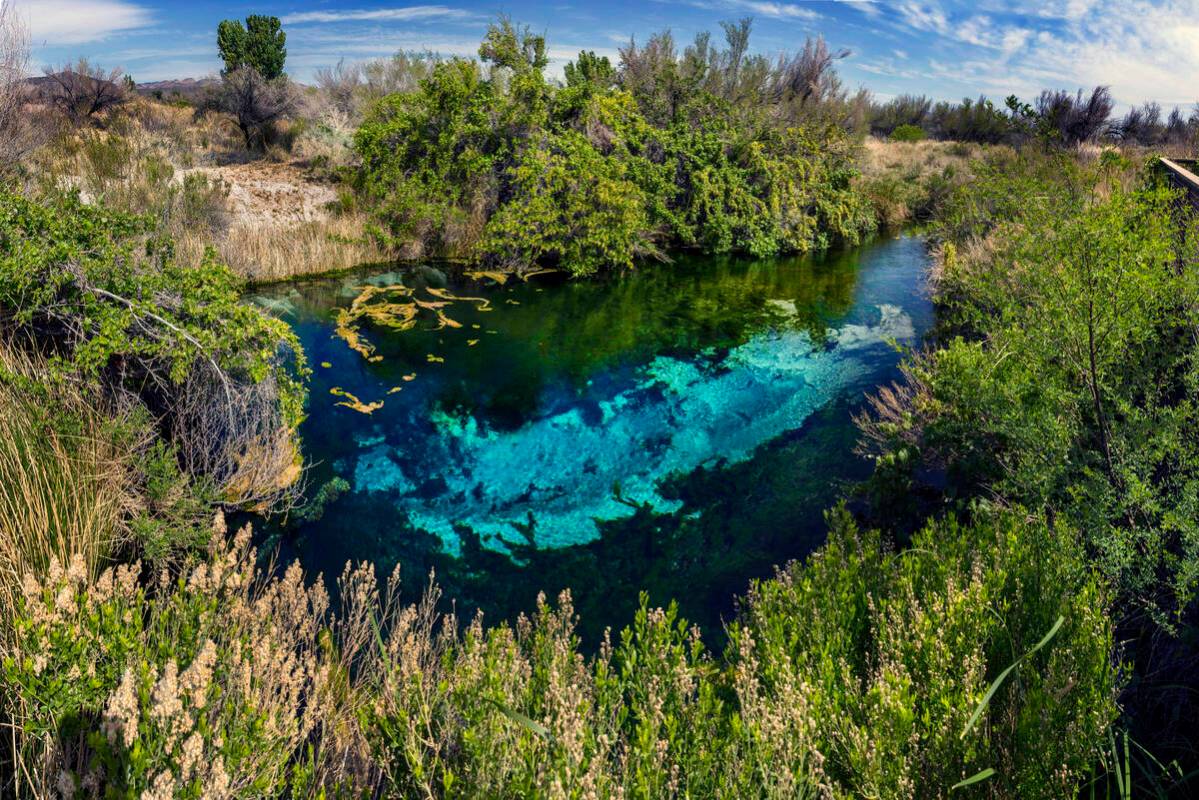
571,467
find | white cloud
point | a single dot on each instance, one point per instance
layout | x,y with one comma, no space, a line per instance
979,30
763,8
867,7
70,22
777,10
924,16
406,14
1142,49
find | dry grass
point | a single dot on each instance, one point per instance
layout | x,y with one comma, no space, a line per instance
264,253
269,218
881,156
226,710
62,494
903,180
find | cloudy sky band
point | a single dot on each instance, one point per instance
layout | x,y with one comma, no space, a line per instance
1143,49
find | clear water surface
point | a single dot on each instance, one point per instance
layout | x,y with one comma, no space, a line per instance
677,429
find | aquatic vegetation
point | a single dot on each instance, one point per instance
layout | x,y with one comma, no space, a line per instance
533,273
494,275
354,403
328,493
348,331
377,305
481,303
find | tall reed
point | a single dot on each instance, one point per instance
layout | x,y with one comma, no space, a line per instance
65,486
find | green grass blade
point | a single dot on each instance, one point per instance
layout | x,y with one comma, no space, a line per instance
379,640
528,723
977,777
982,704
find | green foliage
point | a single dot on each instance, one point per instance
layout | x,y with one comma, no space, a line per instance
103,286
510,171
1069,382
570,206
259,44
102,293
1064,379
907,133
854,674
893,653
590,70
169,524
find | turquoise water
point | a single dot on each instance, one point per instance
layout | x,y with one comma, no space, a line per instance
678,429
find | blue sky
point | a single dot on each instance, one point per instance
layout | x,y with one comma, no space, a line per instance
1143,49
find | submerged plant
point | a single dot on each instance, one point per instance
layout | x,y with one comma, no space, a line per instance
352,402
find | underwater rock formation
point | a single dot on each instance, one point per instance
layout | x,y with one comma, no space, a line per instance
608,452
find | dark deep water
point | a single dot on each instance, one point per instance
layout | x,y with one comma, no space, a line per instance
679,429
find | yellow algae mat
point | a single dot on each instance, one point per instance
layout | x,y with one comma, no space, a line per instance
395,307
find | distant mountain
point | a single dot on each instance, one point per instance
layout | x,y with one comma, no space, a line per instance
188,88
40,83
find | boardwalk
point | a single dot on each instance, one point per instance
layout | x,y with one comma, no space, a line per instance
1181,173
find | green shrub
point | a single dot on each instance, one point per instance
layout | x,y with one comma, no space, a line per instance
1063,379
907,133
569,206
508,170
891,655
973,121
102,292
859,672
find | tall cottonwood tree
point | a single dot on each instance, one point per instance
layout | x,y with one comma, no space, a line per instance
254,89
260,44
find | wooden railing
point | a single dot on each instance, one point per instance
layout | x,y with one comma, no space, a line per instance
1182,173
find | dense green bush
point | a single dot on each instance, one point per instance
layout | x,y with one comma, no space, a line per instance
891,653
861,672
1064,378
508,170
1066,375
103,295
907,133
